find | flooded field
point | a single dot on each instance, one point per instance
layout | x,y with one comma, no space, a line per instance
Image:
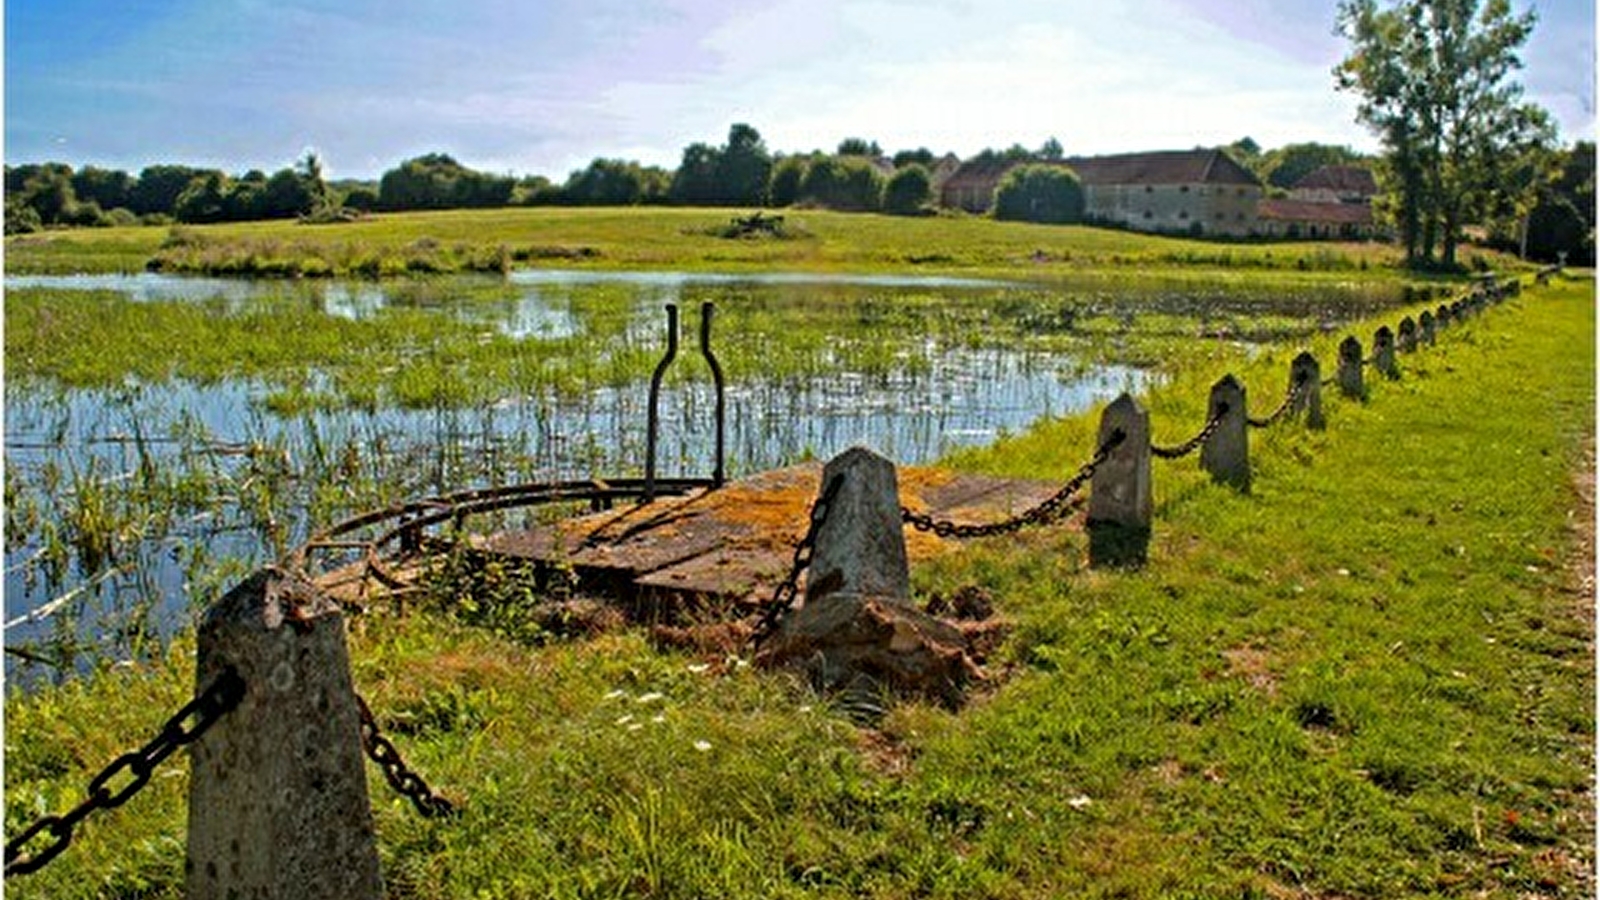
165,435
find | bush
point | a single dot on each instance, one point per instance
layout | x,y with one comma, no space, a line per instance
908,190
1040,193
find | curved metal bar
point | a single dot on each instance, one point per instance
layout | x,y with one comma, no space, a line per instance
718,472
653,423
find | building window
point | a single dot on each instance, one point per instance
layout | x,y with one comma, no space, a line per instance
1184,189
1149,189
1147,214
1183,214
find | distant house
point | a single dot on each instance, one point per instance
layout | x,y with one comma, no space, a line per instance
1336,184
1330,202
1200,192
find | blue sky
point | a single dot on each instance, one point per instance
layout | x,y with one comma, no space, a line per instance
544,86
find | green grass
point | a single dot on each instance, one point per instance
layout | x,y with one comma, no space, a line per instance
1373,676
672,238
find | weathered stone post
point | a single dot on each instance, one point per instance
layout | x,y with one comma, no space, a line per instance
1306,374
1425,328
1383,353
1351,382
1121,503
1407,341
1226,454
857,625
1442,316
278,801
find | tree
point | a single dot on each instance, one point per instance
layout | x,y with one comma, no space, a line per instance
849,183
1052,150
1564,219
695,182
854,146
908,190
1040,193
110,188
1286,165
158,187
615,182
921,156
437,181
788,173
1433,78
744,168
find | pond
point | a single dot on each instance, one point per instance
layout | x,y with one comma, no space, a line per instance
133,500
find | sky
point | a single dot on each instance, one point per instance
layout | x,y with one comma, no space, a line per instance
542,87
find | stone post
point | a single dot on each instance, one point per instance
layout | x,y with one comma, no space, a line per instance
278,801
862,548
857,627
1383,353
1226,454
1407,341
1351,382
1425,327
1306,372
1442,316
1121,503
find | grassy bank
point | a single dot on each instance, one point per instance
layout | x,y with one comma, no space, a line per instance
666,238
1371,676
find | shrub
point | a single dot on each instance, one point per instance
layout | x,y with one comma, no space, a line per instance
908,190
1040,193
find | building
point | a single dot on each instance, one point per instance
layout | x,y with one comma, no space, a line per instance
1198,192
1330,202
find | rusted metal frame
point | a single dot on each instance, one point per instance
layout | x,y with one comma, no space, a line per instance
653,420
718,471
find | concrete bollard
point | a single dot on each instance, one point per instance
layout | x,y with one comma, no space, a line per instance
1351,382
1121,503
857,628
278,801
1383,353
862,548
1306,373
1406,342
1226,454
1425,328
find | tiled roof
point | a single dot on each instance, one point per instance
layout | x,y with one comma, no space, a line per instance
1163,167
1341,179
1307,211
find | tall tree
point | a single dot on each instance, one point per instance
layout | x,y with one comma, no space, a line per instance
1434,81
744,168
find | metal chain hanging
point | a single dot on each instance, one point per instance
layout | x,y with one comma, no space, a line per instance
1283,408
405,782
1194,443
1057,506
206,708
783,597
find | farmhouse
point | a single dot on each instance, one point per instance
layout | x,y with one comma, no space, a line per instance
1333,201
1199,192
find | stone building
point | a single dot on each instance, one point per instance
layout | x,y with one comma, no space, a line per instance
1330,202
1198,192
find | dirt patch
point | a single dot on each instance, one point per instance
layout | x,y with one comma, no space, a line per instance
1253,665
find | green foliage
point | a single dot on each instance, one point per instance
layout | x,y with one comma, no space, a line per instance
844,183
735,174
1564,219
908,191
1433,77
788,174
1283,166
437,181
854,146
1040,193
615,182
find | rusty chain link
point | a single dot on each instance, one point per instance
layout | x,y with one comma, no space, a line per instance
1192,444
1283,408
1057,506
784,595
405,782
207,707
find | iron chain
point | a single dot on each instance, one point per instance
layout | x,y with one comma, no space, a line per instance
1057,506
783,597
1192,444
1283,408
405,782
206,708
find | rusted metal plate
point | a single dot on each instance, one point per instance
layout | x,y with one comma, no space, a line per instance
736,544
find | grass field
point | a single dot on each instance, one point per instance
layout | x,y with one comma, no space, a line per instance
1372,676
675,238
